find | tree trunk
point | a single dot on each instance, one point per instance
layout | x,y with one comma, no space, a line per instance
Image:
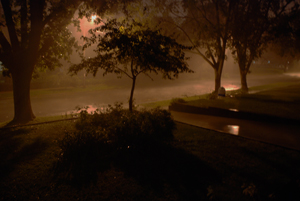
131,94
217,81
21,93
244,84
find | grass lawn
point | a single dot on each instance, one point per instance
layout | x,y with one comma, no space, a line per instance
198,164
60,90
279,99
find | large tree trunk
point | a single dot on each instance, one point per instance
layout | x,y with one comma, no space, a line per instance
217,81
131,94
244,65
21,93
244,84
243,71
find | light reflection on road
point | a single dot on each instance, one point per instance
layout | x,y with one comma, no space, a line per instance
89,108
293,74
233,129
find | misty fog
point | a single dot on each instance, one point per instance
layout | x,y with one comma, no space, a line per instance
59,97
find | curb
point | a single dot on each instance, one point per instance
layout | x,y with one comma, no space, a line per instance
212,111
39,123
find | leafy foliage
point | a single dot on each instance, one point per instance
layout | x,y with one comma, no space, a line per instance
128,48
126,43
103,7
100,137
287,35
256,24
38,29
33,35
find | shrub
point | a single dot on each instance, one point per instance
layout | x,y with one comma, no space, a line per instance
101,136
83,154
121,124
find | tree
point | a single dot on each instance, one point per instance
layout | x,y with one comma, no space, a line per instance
286,43
128,48
205,25
33,33
254,26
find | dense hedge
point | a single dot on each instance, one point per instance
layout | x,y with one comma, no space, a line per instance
102,137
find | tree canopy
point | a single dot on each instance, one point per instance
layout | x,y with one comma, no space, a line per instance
286,42
33,33
38,29
256,24
130,48
205,25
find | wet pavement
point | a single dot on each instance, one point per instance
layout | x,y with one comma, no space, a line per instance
62,102
281,134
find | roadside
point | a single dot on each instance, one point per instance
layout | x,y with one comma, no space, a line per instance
270,116
280,100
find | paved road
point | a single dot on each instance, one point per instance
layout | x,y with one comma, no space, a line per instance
279,134
61,103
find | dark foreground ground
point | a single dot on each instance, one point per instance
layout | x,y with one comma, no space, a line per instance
198,164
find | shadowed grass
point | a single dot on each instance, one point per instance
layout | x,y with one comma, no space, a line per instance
166,103
198,164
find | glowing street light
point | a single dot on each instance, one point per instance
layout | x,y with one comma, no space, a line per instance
94,17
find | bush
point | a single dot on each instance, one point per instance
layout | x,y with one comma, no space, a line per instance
82,155
101,136
123,125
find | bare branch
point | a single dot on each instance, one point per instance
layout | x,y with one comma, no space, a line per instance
193,44
10,24
24,23
4,43
120,69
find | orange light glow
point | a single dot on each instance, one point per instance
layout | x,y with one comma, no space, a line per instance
233,129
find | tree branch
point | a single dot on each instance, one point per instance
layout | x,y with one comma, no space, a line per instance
147,74
58,11
211,55
10,24
4,43
191,41
124,72
24,24
36,19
